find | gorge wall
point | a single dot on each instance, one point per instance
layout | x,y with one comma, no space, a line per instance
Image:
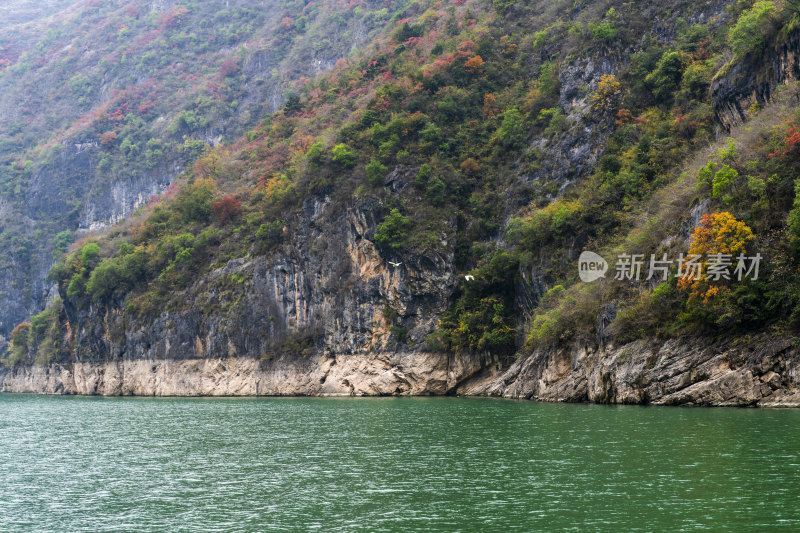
326,311
763,372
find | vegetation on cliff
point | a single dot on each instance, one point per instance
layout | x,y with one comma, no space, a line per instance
449,120
105,103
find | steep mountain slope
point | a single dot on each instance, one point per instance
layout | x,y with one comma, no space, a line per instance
104,103
326,250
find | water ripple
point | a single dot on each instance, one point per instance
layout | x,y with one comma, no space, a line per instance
391,464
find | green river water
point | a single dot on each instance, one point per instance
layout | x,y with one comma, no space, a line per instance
392,464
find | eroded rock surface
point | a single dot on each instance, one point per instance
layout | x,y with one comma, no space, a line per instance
763,372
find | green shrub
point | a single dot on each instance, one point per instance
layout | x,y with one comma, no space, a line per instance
511,133
393,231
407,31
376,172
502,6
723,180
399,332
794,215
89,253
696,79
389,312
105,278
556,121
45,333
423,175
343,155
483,317
187,121
706,174
316,153
752,29
61,242
389,147
430,135
667,76
605,31
548,78
133,266
435,191
565,315
270,234
193,202
77,286
18,347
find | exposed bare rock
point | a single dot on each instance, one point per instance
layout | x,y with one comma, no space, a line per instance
360,375
753,81
761,372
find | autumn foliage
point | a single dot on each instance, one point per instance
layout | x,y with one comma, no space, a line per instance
718,233
608,93
228,68
227,209
474,65
173,17
108,139
470,166
791,143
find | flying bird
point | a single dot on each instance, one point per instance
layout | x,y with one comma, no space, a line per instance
395,264
469,277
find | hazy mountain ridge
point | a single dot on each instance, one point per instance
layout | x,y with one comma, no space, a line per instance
104,103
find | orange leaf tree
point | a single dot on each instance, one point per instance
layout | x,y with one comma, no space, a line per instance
717,233
474,65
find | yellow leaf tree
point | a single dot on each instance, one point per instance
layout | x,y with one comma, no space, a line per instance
718,235
608,93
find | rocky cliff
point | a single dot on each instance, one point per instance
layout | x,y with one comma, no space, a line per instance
54,118
288,324
761,372
329,290
744,87
306,299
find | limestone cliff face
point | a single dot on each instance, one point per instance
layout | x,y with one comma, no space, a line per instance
754,80
325,292
309,316
308,319
694,372
760,372
373,374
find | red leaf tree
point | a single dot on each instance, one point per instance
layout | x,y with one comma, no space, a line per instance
227,209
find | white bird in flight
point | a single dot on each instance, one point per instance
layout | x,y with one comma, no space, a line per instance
469,277
395,264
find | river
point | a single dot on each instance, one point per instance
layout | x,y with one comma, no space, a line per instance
392,464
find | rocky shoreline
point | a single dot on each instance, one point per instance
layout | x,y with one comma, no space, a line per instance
759,372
